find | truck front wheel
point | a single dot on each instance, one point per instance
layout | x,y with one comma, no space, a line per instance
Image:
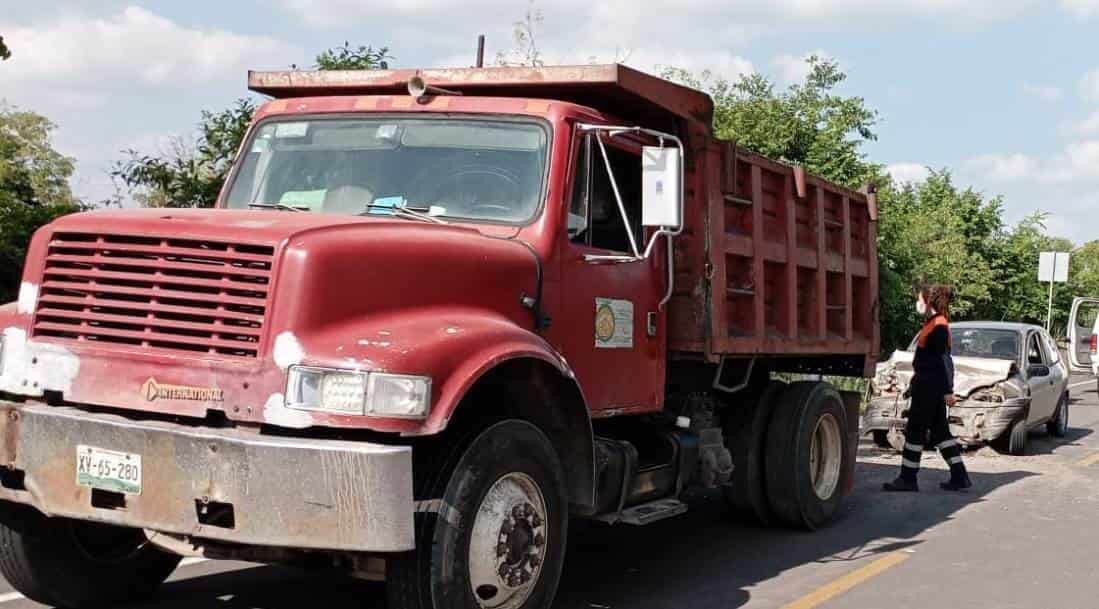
75,564
491,532
808,455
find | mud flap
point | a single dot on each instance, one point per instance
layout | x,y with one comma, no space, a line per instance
852,402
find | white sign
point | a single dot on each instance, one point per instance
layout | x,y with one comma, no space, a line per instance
1053,266
613,324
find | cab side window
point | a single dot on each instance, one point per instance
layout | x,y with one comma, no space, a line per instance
1052,349
594,217
1035,356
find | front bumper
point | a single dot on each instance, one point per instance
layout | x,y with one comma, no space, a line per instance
971,422
284,492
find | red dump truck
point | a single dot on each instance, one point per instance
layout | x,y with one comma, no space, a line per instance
434,315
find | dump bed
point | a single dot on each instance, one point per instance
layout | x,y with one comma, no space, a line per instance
773,261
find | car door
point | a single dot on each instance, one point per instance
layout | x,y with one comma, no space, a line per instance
1043,390
1081,327
1058,367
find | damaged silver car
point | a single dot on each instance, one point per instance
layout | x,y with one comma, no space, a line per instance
1009,379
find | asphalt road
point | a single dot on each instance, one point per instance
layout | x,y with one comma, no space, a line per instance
1023,537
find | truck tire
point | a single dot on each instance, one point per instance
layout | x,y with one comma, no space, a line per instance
746,433
496,534
1014,440
808,455
78,565
1058,426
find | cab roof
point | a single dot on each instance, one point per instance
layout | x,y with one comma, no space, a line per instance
614,89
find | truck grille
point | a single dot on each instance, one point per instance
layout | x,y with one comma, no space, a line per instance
157,293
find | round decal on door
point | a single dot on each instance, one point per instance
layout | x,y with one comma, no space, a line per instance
604,323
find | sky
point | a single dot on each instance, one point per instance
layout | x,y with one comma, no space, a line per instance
1004,93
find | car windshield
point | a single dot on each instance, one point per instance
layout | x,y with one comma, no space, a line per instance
982,342
986,342
462,168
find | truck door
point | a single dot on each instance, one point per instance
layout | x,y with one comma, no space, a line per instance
613,338
1081,327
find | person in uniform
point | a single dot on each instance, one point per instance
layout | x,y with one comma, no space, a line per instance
932,391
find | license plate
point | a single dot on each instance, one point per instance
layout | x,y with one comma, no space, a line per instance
109,470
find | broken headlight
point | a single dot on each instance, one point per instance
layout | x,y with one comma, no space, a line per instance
992,396
358,393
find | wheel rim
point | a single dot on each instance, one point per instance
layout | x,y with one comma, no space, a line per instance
1063,423
508,542
825,457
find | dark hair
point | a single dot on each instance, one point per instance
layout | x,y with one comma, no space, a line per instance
938,297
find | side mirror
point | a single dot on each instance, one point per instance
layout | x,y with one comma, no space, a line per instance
661,172
1038,371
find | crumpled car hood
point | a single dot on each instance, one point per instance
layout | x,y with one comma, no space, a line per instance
970,373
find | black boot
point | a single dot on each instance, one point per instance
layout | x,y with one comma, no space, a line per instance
959,481
901,485
959,477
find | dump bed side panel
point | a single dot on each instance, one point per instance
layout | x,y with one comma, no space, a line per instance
788,266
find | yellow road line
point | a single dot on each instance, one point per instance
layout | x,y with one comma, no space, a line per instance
1091,459
845,583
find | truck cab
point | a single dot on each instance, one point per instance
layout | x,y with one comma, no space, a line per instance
432,316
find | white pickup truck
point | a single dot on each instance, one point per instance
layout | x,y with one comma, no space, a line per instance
1083,336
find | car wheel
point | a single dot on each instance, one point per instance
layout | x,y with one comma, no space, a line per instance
1058,426
1014,440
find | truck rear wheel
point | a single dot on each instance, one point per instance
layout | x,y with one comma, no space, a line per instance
494,537
746,432
75,564
808,455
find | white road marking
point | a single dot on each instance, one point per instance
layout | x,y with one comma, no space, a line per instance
1091,382
186,562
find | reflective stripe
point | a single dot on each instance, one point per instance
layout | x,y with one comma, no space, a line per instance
913,447
910,464
947,444
954,460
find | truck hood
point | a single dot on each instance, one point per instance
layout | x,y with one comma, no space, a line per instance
249,226
970,373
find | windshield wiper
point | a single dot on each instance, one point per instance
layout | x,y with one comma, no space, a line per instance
404,211
278,206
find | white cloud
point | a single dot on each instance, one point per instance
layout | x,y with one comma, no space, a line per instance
845,13
134,46
1081,8
1089,86
791,69
1047,93
1087,126
1002,167
907,172
1078,164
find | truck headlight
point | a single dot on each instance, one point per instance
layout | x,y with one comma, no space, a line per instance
398,395
358,393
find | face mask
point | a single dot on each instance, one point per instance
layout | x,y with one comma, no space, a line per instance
921,307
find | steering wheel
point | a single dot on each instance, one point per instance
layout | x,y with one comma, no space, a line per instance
471,189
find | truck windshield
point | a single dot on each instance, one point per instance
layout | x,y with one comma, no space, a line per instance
462,168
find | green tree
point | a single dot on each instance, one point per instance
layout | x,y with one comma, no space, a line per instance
188,176
932,231
191,173
808,123
34,188
358,58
